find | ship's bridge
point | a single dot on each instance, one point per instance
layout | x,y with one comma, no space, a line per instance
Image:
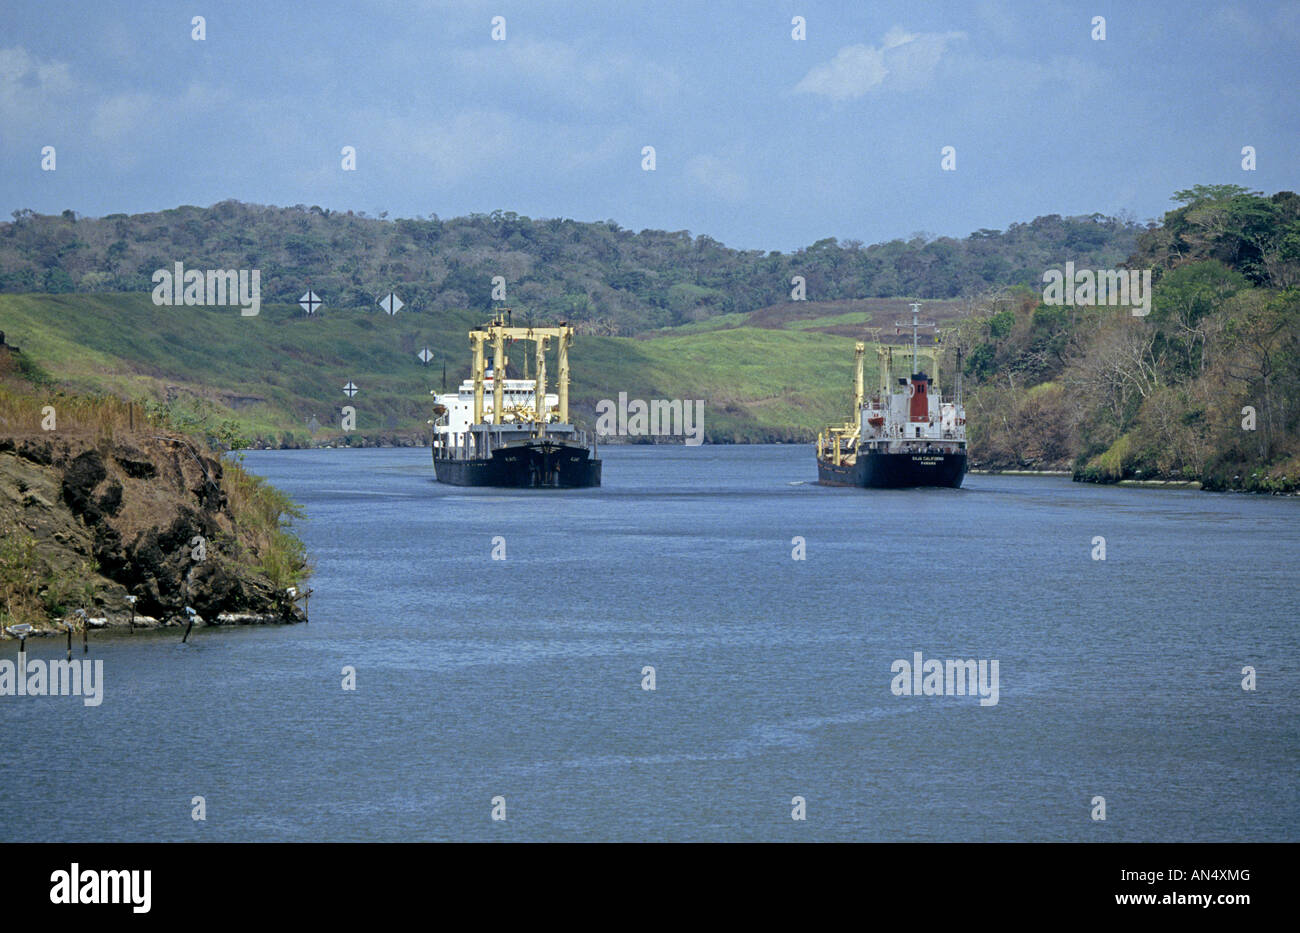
912,410
518,397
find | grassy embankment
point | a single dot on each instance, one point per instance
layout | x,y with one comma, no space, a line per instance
45,577
270,375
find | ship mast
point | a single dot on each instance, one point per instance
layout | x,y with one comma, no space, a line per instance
916,322
959,375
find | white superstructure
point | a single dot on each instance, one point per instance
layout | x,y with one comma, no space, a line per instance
891,414
907,414
910,413
454,412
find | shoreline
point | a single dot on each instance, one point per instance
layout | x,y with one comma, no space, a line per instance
1157,483
119,622
995,472
1149,483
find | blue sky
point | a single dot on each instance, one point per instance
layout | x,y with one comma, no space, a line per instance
761,141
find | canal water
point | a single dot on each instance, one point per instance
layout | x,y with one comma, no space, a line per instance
517,684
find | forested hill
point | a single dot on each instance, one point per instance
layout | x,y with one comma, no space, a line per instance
1206,387
605,279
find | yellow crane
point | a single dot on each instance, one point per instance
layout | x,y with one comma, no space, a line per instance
496,333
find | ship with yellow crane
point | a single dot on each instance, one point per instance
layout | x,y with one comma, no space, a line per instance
905,434
498,431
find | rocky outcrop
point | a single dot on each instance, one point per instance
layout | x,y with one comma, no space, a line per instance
147,517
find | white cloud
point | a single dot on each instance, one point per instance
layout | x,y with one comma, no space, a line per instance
454,147
30,87
1014,82
904,60
998,19
123,115
134,115
563,74
717,176
1258,30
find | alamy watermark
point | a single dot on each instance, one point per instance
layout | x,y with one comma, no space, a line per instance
657,418
950,678
181,286
38,678
80,885
1124,287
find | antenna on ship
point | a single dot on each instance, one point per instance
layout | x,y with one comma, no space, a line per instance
916,310
916,322
958,375
529,319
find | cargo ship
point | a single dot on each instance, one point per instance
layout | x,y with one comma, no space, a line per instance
498,431
906,434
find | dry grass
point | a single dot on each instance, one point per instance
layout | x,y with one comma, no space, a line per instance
31,589
102,417
262,515
257,534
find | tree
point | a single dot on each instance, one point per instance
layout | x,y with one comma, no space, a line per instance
1259,326
1186,303
1200,193
1117,368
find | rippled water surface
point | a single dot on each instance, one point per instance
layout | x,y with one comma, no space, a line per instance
521,678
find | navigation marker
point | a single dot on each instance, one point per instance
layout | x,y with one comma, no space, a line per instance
85,631
425,355
391,303
310,302
313,425
349,390
20,631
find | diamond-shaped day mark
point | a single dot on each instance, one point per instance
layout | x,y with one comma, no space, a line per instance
349,390
391,303
313,425
425,355
310,302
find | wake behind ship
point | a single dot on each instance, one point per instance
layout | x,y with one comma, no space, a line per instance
904,435
495,432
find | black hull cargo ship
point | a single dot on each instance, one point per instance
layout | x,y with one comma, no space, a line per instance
886,470
496,432
905,435
525,464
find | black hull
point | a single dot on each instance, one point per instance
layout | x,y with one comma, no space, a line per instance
534,465
895,471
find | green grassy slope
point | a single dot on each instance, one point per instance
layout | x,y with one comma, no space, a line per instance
274,372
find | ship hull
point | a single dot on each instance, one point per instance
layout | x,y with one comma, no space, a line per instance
534,465
895,471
